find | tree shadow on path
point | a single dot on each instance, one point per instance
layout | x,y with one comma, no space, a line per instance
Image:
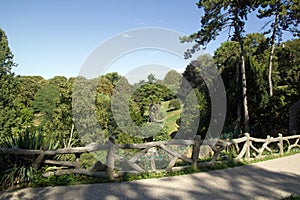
245,182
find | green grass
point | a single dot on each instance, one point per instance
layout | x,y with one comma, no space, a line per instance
63,180
270,157
292,197
172,116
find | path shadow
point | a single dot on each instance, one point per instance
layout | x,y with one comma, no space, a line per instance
245,182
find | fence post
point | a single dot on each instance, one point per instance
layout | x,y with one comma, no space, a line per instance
77,161
248,146
280,144
110,158
196,151
38,161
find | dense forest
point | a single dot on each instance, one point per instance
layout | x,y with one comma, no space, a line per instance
260,73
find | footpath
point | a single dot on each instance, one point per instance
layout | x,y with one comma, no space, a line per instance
273,179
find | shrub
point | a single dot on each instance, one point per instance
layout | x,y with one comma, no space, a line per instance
16,170
174,104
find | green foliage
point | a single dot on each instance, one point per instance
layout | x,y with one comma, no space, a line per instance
8,89
53,103
268,115
125,138
197,99
292,197
114,78
131,177
194,119
15,170
227,57
285,16
149,93
173,80
105,86
66,179
31,138
218,15
103,110
29,86
162,135
46,99
171,83
174,104
135,113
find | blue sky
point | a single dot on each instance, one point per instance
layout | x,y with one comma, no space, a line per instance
55,37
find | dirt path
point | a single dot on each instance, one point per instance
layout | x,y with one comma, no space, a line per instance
272,179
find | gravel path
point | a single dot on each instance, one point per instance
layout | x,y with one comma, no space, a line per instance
272,179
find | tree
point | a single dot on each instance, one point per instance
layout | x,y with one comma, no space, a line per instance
113,77
286,94
151,78
227,59
285,15
104,86
62,125
218,15
196,109
46,99
104,91
257,51
84,111
293,111
174,104
173,78
171,81
147,96
8,89
29,86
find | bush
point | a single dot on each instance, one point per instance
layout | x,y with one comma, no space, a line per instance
18,170
174,104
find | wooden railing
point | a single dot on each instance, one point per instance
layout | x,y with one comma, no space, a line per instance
246,148
263,145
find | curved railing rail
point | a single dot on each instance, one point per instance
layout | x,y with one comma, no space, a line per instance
247,148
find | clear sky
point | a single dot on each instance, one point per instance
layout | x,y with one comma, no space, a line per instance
55,37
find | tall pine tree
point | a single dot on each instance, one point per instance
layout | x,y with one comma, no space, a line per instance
8,89
220,15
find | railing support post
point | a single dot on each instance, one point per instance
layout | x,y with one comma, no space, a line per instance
280,144
196,151
110,158
248,155
77,161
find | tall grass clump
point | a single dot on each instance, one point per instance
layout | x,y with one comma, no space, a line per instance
16,169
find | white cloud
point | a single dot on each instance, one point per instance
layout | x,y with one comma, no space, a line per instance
181,70
126,36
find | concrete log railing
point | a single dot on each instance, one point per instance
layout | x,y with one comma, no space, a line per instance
251,148
250,151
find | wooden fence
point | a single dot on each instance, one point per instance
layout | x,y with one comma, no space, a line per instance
246,148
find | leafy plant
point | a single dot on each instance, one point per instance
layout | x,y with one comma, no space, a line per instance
174,104
16,170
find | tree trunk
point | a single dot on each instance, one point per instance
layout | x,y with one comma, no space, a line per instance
270,70
294,110
237,127
245,101
239,39
71,136
272,53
